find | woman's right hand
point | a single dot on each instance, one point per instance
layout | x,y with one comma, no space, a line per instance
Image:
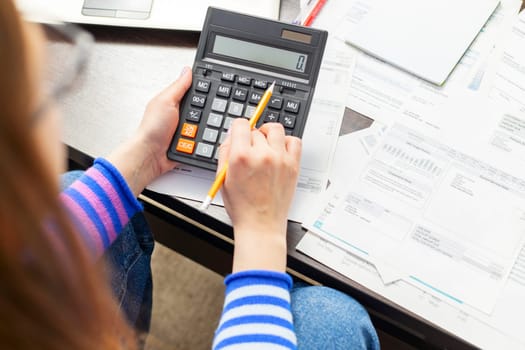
258,191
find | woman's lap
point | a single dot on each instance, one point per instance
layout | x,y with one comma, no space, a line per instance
323,318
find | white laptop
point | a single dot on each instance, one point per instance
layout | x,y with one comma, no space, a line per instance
162,14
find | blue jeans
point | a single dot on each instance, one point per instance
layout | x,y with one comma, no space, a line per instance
327,319
324,318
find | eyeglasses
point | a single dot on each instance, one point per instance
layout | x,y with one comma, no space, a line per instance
68,48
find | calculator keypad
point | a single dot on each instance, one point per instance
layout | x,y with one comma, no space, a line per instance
217,98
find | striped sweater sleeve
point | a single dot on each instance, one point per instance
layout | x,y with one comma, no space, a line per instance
102,203
256,312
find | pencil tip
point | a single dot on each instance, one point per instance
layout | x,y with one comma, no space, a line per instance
205,204
272,86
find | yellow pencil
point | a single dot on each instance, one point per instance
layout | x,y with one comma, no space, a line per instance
219,179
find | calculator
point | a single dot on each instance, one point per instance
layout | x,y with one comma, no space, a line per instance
237,58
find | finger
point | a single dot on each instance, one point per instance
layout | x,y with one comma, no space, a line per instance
240,135
259,140
274,133
294,147
224,152
177,89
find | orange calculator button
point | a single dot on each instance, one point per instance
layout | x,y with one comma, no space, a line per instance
185,146
189,130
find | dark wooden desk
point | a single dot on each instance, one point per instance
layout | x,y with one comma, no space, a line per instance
127,62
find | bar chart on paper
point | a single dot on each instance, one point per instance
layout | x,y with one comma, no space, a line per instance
404,158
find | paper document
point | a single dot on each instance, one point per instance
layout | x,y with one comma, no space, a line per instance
503,329
430,212
388,94
424,37
426,203
509,81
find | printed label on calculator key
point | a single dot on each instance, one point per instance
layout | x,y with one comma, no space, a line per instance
224,90
185,146
228,77
198,101
288,121
215,120
250,111
271,117
223,137
194,115
219,105
244,80
202,85
235,109
261,84
210,135
228,123
189,130
275,102
204,150
255,97
240,94
292,106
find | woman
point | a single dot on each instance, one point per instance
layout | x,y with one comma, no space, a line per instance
54,293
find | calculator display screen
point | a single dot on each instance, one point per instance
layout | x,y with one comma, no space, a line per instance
249,51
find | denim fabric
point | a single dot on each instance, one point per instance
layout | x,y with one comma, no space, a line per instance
323,318
129,261
327,319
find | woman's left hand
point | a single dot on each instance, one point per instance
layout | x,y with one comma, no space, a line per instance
144,157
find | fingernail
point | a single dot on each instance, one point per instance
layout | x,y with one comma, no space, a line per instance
184,70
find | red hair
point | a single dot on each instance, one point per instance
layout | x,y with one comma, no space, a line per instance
51,294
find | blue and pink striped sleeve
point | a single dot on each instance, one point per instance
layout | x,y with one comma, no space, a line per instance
256,313
101,203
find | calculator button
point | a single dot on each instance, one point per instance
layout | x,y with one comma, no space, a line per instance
185,146
228,77
224,90
217,153
223,137
261,84
244,80
198,101
292,106
215,120
250,111
228,122
275,103
255,97
288,132
219,105
189,130
204,150
235,109
288,121
271,117
194,115
210,135
202,85
240,94
205,71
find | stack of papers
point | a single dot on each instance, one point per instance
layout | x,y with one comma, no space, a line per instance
426,203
